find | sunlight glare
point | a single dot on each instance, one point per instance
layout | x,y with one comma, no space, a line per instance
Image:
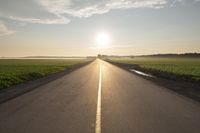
103,39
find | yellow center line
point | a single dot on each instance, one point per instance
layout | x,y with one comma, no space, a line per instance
98,114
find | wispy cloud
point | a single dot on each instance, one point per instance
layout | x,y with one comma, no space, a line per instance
4,30
87,8
59,20
30,11
62,11
177,2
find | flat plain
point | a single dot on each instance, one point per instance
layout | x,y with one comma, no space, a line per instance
128,104
171,68
16,71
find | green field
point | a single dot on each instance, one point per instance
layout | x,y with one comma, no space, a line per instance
173,68
16,71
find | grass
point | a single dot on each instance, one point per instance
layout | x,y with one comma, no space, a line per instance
16,71
172,68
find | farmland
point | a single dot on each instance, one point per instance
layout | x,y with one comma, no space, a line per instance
16,71
187,69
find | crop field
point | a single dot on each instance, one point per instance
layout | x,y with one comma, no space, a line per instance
16,71
173,68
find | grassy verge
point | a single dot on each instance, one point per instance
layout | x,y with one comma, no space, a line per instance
17,71
186,69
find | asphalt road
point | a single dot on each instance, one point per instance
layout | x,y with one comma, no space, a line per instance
100,98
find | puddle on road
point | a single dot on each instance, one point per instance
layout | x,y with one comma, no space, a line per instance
141,73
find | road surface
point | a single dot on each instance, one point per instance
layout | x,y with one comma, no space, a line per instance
100,98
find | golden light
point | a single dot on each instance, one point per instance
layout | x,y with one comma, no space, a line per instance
103,39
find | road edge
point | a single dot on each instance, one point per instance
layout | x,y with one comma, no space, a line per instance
17,90
187,89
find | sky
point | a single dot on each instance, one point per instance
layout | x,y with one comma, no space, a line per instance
70,27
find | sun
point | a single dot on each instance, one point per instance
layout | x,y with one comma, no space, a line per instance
103,39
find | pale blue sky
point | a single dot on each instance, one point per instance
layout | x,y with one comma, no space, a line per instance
70,27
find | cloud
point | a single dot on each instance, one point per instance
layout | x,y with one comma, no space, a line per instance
4,30
87,8
29,11
59,20
177,2
62,11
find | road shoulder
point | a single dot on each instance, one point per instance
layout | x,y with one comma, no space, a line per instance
20,89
